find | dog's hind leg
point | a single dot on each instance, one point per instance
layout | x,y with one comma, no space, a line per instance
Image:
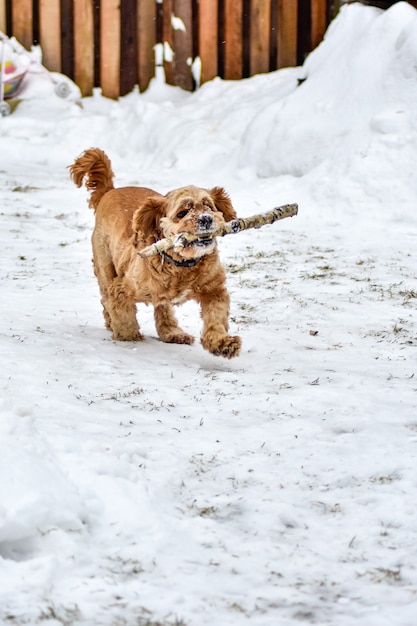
121,307
167,325
105,272
104,292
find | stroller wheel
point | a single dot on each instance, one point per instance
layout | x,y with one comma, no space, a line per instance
5,109
62,90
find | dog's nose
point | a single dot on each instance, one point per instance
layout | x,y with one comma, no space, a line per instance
205,221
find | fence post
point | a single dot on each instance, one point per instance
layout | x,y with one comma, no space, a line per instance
3,16
318,21
177,34
168,40
50,33
183,43
83,13
110,48
208,33
146,32
260,33
128,46
233,39
287,33
22,22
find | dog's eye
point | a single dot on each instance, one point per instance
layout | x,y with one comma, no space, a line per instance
182,213
207,205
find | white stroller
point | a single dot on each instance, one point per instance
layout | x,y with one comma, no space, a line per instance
15,64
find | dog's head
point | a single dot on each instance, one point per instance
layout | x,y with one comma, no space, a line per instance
186,210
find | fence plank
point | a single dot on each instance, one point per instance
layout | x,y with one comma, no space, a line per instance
260,32
110,48
168,41
303,30
128,47
22,22
233,39
3,23
84,45
183,43
146,30
50,33
287,33
318,21
208,37
67,37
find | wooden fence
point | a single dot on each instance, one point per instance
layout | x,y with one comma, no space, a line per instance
111,43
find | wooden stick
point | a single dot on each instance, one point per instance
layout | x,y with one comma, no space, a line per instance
235,226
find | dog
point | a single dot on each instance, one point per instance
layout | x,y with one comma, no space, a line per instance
127,219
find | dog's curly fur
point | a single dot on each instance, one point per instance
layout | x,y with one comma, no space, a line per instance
130,218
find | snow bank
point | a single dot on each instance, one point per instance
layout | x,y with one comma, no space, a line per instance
358,84
37,496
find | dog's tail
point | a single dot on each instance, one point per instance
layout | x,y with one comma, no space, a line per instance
93,167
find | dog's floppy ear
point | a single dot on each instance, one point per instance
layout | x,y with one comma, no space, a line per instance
223,204
146,219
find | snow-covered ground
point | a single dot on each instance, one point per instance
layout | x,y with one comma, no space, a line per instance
156,484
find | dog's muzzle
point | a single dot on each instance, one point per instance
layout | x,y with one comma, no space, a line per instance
205,222
205,225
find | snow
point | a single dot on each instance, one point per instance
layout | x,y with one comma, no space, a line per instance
157,484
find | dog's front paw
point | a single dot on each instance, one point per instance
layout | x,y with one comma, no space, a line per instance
227,346
179,337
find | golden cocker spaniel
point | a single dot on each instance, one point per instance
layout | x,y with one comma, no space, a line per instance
128,219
